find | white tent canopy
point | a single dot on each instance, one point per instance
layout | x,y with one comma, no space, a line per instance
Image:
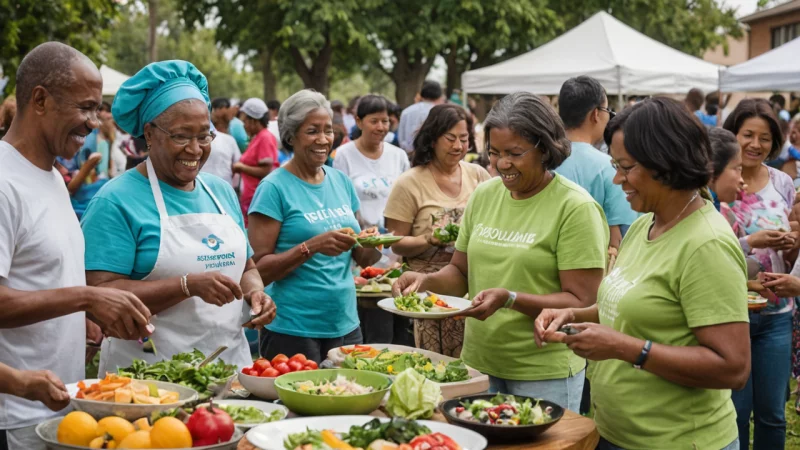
622,59
776,70
112,80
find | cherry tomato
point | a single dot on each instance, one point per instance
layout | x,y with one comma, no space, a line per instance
282,368
281,358
262,365
301,358
270,373
310,364
294,366
306,368
246,371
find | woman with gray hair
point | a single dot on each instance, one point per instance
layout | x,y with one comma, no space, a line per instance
530,239
301,220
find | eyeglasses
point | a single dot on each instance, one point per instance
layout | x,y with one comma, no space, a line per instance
625,170
611,114
183,140
513,157
452,138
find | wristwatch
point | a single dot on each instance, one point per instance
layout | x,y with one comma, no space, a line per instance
512,297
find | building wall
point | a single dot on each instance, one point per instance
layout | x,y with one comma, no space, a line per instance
761,31
737,52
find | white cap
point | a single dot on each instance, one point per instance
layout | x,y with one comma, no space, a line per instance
254,107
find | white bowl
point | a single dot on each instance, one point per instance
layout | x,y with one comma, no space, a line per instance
129,411
261,387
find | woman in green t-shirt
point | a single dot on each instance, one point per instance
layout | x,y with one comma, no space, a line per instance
529,239
669,335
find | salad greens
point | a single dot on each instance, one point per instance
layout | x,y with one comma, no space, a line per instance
413,396
249,414
447,234
503,410
182,369
392,362
399,431
414,303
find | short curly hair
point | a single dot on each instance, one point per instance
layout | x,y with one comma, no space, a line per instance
441,119
665,138
534,120
756,107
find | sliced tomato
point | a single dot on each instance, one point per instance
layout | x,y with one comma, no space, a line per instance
281,358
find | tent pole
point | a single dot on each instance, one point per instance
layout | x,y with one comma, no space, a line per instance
619,88
465,99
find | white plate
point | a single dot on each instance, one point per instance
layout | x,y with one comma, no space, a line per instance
387,304
129,411
267,408
270,436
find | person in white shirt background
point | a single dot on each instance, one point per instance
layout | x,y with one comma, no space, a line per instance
274,108
373,165
42,282
414,116
224,154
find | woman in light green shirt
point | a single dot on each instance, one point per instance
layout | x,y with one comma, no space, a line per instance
669,335
530,235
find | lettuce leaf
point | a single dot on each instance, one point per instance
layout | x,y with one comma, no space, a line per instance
413,396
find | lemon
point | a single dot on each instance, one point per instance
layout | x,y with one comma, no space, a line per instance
169,432
77,428
137,439
117,427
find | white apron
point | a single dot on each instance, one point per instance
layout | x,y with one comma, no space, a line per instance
192,243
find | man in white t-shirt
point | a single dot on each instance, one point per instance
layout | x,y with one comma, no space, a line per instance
42,280
224,154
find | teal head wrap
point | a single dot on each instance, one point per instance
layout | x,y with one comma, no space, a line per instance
155,88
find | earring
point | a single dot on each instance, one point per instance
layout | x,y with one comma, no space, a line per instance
148,147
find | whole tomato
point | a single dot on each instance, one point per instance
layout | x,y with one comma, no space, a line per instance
294,366
281,358
270,373
209,426
248,371
282,368
301,358
311,365
262,365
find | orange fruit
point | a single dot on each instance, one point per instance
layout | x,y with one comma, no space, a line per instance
169,432
137,439
77,428
117,427
142,424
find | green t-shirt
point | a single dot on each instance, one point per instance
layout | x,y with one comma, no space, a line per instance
694,275
521,245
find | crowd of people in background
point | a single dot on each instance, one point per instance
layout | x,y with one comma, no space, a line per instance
644,228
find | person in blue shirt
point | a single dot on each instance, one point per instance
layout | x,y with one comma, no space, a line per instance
583,107
236,129
301,224
173,236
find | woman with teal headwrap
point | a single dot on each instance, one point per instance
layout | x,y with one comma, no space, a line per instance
171,235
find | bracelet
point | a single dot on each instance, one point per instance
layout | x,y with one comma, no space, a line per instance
512,297
304,250
185,285
643,356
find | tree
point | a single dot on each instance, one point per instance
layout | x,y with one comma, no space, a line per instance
691,26
83,24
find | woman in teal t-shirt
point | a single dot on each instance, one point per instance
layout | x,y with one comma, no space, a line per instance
297,218
529,239
668,336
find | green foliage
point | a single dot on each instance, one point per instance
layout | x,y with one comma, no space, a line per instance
24,24
127,51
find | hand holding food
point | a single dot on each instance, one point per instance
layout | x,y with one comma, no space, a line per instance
445,235
332,243
783,284
548,323
262,309
595,342
213,288
487,303
119,313
407,283
770,239
44,386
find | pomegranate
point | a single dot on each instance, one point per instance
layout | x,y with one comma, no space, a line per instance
209,425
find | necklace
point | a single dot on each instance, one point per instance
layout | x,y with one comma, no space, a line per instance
666,227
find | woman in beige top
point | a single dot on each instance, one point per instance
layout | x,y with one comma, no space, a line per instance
431,195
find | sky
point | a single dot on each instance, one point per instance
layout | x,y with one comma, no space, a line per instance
745,7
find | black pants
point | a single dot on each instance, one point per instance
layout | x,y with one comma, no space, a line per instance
3,440
383,327
271,344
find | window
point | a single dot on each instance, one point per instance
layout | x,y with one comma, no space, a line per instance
784,34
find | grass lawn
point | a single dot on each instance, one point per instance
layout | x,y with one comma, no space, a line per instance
792,424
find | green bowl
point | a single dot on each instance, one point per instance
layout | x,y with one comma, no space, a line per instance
328,405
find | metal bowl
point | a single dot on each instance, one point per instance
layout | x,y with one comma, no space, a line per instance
47,432
501,433
131,411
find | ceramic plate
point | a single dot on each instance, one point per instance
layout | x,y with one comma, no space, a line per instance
387,304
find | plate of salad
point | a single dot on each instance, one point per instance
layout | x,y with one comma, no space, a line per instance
394,362
365,432
502,417
245,413
425,306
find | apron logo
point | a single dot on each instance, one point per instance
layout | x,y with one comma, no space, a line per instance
212,242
